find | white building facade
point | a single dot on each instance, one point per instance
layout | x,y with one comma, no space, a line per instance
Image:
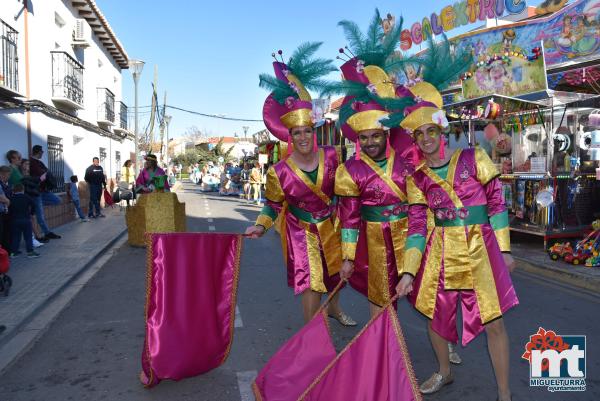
60,86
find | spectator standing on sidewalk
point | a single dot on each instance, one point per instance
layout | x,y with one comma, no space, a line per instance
20,210
14,158
127,173
73,195
5,195
32,189
255,181
245,176
94,176
126,187
39,170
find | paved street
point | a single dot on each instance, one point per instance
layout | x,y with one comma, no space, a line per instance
92,351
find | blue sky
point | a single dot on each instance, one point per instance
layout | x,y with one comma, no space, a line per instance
209,54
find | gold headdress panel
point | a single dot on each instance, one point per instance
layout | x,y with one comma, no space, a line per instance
369,115
428,109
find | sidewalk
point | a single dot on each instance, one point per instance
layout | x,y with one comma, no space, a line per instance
532,258
37,281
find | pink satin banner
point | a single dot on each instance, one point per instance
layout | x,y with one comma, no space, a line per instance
190,303
297,364
375,365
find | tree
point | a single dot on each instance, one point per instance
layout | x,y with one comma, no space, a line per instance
219,152
193,134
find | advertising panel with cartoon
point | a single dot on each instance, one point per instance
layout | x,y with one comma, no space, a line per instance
504,68
507,57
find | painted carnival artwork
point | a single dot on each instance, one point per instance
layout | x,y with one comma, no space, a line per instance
512,60
503,67
572,34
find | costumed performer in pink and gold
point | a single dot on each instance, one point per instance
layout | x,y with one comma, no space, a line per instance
372,186
299,189
466,259
372,190
152,178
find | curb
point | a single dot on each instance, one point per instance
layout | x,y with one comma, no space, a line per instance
24,336
553,273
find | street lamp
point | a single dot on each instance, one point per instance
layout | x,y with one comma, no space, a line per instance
245,128
136,67
167,121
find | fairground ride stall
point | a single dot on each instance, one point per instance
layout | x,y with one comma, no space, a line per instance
542,147
531,99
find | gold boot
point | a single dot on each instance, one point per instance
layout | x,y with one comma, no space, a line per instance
435,383
453,354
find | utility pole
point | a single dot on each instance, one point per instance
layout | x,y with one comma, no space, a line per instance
162,128
136,67
156,92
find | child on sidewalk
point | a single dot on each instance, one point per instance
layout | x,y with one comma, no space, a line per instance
20,211
73,195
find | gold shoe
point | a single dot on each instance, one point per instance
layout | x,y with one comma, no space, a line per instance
454,357
344,319
435,383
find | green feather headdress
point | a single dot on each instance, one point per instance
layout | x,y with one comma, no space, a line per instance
374,47
441,67
302,65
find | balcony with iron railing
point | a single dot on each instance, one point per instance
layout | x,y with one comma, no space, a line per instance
106,107
9,61
67,81
121,120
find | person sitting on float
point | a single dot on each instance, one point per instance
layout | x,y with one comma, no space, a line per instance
152,178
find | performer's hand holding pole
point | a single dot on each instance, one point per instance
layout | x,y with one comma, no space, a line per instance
347,269
254,232
405,286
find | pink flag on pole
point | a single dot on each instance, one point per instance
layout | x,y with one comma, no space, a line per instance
375,365
190,303
297,364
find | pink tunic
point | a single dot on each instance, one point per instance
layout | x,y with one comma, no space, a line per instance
373,215
461,261
305,211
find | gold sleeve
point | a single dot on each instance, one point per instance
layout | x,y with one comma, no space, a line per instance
265,221
415,195
503,237
348,250
344,184
273,190
412,261
486,170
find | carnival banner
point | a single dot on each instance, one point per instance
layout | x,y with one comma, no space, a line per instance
190,303
453,16
374,366
566,38
503,71
569,36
